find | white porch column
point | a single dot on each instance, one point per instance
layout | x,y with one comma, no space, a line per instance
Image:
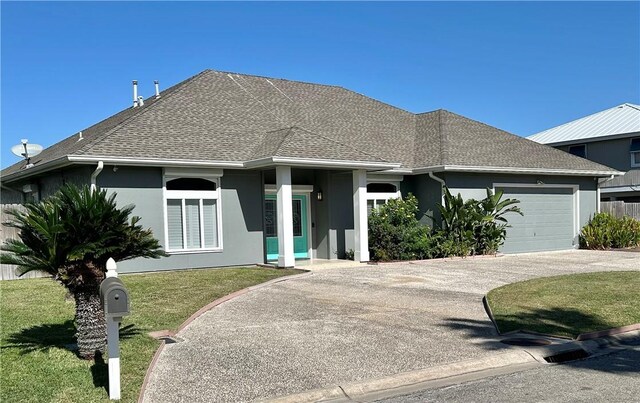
286,257
360,224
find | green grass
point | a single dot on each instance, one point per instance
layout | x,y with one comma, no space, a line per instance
37,328
568,305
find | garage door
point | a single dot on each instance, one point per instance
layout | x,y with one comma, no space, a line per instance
547,223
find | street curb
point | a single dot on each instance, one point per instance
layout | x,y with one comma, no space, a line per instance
500,363
360,389
608,332
198,313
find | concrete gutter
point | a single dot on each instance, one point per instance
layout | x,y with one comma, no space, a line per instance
515,360
397,384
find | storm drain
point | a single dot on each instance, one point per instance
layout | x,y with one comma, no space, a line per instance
169,339
567,356
526,341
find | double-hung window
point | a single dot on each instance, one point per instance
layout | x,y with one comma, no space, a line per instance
635,152
192,214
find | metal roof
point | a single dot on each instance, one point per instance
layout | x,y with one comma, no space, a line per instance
620,119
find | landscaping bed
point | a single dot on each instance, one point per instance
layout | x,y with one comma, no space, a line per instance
568,305
37,334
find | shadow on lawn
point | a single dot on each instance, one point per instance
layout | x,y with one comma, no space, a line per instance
559,321
564,322
54,335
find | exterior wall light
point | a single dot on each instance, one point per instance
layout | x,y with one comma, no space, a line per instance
319,195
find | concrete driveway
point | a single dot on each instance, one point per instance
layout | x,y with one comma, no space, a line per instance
350,324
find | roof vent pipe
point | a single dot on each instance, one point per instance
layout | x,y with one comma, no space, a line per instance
135,93
140,101
157,84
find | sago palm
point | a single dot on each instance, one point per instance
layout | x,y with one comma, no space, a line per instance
71,235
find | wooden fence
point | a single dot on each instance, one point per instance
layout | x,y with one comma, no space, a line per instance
620,208
7,271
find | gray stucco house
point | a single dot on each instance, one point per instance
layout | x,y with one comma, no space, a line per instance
232,169
610,137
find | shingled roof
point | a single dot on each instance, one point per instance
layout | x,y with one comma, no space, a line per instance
218,117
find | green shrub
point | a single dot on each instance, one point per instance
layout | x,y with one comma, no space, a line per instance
468,228
396,234
477,226
605,231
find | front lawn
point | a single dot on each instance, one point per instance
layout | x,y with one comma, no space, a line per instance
568,305
37,331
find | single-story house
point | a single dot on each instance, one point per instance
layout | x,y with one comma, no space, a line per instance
610,137
234,169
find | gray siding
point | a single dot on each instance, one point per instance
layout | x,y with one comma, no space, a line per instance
429,195
241,204
340,212
613,153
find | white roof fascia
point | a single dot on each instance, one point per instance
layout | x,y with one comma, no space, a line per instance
319,163
515,170
595,139
153,162
23,173
617,189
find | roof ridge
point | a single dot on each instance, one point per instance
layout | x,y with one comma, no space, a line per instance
375,99
270,78
289,131
442,137
634,106
143,110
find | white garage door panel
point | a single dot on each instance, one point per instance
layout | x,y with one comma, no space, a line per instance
547,223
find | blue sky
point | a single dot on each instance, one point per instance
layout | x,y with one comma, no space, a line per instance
522,67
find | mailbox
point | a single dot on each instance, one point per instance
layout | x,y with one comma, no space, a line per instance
114,297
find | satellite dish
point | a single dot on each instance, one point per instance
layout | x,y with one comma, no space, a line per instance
26,150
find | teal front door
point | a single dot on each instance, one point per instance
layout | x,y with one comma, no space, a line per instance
300,226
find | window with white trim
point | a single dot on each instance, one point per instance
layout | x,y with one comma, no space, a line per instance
193,214
635,152
378,193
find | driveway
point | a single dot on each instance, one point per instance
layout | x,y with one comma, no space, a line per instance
350,324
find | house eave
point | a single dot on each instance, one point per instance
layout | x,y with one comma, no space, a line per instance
28,172
319,163
591,139
620,189
154,162
516,170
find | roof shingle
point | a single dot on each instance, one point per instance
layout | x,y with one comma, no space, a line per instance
226,117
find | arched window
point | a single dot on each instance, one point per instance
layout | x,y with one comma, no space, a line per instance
381,188
378,193
190,184
192,214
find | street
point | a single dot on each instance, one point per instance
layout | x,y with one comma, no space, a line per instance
614,377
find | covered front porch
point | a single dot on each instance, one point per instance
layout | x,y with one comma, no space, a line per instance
318,214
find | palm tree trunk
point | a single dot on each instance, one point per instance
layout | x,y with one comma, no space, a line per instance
90,322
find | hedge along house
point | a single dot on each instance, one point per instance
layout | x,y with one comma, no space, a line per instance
231,169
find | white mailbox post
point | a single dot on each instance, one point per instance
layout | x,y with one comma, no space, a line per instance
115,302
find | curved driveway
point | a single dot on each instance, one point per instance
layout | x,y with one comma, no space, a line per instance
349,324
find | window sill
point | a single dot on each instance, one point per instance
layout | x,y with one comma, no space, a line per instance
192,251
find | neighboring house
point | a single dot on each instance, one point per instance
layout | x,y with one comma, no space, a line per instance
232,169
610,137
